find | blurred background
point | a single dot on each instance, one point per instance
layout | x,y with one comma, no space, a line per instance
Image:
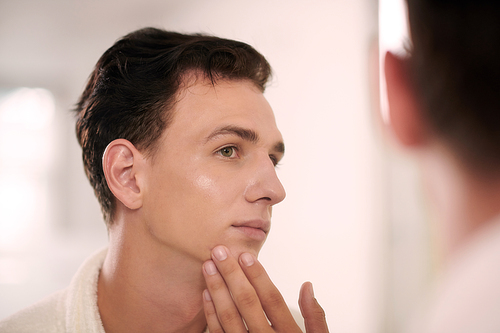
353,222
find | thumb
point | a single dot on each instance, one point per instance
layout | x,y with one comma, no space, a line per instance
313,313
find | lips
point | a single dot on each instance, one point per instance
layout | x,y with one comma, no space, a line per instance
256,224
256,229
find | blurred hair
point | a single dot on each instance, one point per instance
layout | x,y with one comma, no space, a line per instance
133,88
455,65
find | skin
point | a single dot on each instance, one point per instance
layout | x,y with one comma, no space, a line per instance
463,200
211,181
207,180
238,288
253,295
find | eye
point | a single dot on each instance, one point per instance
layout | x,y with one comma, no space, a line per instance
227,151
274,159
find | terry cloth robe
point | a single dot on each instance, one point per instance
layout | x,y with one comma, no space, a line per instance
70,310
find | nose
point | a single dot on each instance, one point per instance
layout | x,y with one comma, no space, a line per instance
265,185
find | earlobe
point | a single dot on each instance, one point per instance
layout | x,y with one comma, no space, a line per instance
122,168
405,119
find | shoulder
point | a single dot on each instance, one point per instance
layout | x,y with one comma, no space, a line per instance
74,308
47,315
467,299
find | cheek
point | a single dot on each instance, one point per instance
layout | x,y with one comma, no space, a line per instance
208,197
205,184
195,199
216,200
214,188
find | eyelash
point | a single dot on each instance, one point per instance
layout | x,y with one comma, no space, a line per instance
273,158
234,148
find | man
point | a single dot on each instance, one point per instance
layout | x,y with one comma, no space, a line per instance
444,107
180,146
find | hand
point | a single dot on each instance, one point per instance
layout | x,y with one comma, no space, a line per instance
241,293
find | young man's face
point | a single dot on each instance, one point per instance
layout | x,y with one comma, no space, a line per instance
213,179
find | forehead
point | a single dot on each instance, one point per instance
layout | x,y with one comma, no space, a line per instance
202,107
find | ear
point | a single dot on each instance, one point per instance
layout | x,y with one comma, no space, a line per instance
404,114
122,164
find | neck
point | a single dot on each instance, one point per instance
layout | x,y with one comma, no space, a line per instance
145,288
464,201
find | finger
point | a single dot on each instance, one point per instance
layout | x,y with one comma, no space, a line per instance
313,313
244,295
213,323
227,313
272,301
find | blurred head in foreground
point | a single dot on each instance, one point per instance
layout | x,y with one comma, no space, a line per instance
444,107
444,104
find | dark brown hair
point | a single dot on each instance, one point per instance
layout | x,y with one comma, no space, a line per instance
455,64
134,85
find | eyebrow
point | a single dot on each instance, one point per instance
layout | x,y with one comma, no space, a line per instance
245,134
279,147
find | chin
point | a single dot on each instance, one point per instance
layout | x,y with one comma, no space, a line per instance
237,250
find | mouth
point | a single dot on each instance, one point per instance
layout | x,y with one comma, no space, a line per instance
256,229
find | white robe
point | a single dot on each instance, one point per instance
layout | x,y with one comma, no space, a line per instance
71,310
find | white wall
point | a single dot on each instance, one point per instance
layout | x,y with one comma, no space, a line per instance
329,228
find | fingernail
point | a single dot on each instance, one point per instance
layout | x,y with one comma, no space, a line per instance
206,295
210,268
247,259
311,290
220,253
